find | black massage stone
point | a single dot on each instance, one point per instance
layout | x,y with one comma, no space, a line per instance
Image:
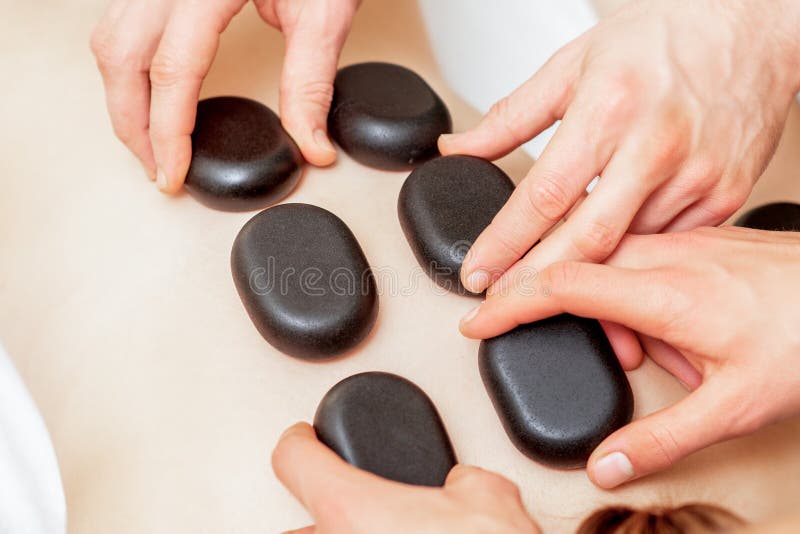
444,205
779,216
386,425
386,116
242,158
304,281
557,387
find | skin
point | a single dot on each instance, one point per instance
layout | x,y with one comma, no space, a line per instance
154,54
343,499
716,307
677,106
152,80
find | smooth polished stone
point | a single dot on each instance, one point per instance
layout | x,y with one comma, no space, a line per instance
557,387
386,425
778,216
242,158
304,281
443,206
386,116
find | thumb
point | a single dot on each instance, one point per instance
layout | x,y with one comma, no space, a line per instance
313,44
706,416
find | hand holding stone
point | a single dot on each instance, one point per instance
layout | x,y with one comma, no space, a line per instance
727,328
343,499
154,54
677,106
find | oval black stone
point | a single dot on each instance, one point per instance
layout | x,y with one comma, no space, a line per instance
242,158
557,387
443,206
386,425
777,216
386,116
304,281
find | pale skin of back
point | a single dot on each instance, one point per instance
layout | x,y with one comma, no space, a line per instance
162,400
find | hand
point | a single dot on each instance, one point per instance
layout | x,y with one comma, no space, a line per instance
716,307
154,54
678,106
343,499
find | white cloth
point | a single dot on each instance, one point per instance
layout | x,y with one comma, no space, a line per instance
488,49
31,496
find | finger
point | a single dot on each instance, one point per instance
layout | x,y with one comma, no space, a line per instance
556,181
114,12
305,530
652,251
640,300
182,60
625,344
313,473
672,361
123,58
659,440
478,485
525,113
635,171
712,210
313,45
677,194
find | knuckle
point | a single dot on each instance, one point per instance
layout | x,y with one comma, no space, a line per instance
664,443
111,54
722,206
597,241
167,70
673,309
319,93
547,197
123,131
507,237
620,98
105,50
705,171
670,148
560,275
503,113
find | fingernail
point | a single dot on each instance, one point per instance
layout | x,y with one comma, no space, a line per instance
161,180
322,141
612,470
477,281
470,315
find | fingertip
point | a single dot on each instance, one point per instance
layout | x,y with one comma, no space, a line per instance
610,470
448,144
625,345
284,447
169,183
468,318
318,150
475,281
461,473
173,157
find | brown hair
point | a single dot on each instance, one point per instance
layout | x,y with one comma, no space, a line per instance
686,519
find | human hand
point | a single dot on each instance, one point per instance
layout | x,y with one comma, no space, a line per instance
343,499
154,55
678,106
716,307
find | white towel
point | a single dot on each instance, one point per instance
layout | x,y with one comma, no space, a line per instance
487,49
31,496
